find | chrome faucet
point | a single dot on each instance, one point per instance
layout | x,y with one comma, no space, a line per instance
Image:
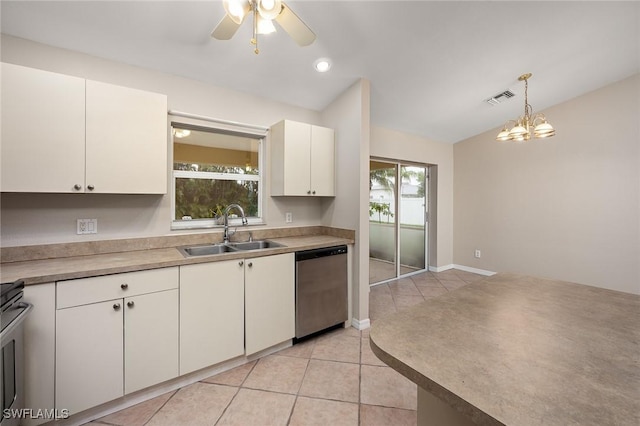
226,235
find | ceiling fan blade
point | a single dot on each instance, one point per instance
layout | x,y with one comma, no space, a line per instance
298,30
225,29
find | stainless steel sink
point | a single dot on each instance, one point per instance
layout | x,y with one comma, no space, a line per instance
206,250
220,248
255,245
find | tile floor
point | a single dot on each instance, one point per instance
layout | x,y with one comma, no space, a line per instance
334,379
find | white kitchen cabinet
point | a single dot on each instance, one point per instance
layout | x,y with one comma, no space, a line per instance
89,361
39,350
211,313
43,130
65,134
269,301
150,339
126,140
114,335
302,159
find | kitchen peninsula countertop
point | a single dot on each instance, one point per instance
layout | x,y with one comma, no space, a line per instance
82,265
518,350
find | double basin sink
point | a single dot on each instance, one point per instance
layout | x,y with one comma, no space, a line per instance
220,248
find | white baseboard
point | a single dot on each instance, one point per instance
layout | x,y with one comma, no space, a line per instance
474,270
462,268
441,268
360,324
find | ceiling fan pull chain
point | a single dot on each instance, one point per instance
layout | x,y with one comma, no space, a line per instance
254,40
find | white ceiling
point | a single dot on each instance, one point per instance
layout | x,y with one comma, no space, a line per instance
430,63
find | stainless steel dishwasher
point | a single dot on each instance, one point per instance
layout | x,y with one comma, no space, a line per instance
321,289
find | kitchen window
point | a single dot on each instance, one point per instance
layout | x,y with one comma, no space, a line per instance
213,168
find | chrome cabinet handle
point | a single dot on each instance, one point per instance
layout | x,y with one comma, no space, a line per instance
116,306
90,187
124,286
240,263
77,187
130,304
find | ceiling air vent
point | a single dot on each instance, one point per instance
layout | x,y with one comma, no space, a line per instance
500,97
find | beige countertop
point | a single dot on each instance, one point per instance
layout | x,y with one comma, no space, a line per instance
64,268
518,350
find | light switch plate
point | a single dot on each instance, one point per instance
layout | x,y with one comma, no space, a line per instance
288,217
87,226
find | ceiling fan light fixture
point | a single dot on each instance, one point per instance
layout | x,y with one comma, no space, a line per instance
237,9
265,26
269,9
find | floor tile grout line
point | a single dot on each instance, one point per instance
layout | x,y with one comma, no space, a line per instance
174,392
228,405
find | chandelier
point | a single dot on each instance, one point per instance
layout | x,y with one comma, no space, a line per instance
521,131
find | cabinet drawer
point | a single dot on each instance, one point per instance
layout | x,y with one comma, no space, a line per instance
97,289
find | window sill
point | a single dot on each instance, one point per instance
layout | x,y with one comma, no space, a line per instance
178,225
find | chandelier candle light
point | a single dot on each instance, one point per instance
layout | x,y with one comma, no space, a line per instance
521,130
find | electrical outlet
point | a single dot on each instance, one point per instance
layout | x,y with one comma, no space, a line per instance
87,226
477,254
288,217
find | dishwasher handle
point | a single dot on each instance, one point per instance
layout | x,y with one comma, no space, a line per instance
321,252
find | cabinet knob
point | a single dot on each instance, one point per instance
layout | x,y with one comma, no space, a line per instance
124,286
250,264
241,263
130,304
116,306
91,187
314,192
309,192
77,187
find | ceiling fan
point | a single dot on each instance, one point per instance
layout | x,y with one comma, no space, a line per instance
264,13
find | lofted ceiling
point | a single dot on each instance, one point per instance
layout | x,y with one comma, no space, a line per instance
431,64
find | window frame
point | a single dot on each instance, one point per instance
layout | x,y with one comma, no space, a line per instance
235,129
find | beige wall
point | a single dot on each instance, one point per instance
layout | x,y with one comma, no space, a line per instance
349,116
51,218
566,208
396,145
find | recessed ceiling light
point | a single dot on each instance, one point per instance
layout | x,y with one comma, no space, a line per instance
322,65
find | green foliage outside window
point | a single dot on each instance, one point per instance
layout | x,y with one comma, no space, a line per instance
207,198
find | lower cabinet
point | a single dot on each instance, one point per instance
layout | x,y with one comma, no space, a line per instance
269,284
211,313
89,361
235,307
120,333
113,347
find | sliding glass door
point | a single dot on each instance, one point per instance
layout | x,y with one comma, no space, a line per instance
398,203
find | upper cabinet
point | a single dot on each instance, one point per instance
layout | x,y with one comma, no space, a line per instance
66,134
302,160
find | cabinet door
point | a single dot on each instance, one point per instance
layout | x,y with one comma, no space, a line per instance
39,349
292,146
269,301
150,339
211,313
43,126
322,161
89,361
126,140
